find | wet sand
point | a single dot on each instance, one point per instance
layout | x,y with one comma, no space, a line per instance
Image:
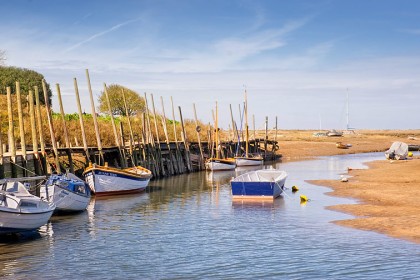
388,193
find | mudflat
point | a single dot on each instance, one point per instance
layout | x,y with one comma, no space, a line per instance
388,192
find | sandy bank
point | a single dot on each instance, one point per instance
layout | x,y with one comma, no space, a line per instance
388,192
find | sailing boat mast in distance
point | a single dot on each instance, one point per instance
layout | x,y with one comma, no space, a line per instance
347,111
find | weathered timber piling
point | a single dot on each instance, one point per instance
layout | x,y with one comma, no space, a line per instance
66,134
167,157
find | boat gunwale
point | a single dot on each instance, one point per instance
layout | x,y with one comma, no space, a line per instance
120,171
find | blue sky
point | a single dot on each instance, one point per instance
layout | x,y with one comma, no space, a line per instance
297,59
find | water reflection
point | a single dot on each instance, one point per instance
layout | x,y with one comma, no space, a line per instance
189,227
19,251
251,204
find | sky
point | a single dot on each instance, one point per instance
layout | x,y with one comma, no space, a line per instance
298,60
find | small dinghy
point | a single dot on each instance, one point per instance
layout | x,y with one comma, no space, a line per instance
67,191
20,210
265,183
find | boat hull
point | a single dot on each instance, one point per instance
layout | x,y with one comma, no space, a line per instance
14,221
258,185
110,183
65,200
256,189
243,161
216,165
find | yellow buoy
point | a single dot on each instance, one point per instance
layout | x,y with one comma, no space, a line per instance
295,189
303,198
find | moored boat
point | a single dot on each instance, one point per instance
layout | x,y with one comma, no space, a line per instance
334,133
20,210
67,191
104,180
216,164
264,183
342,146
397,151
249,160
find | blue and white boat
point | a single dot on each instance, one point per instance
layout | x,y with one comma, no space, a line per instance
67,191
264,183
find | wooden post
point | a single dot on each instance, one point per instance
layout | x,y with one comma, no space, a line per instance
50,124
1,159
82,124
33,125
165,129
95,120
39,121
114,129
33,130
253,125
159,158
12,147
43,155
275,139
177,152
151,140
198,129
235,131
21,129
266,137
66,135
187,149
133,157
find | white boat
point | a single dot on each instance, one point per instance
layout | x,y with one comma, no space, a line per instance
249,160
264,183
104,180
216,164
67,191
20,210
397,151
334,133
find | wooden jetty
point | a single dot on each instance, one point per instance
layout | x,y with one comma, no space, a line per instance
145,145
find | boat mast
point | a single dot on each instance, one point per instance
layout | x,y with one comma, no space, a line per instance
246,126
217,134
347,113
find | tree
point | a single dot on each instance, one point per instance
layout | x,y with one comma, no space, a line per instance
135,103
27,79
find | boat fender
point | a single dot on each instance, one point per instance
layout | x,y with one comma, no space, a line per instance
295,189
303,198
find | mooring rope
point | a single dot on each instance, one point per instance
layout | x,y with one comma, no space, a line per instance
23,168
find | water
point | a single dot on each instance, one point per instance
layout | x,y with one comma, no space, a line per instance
187,227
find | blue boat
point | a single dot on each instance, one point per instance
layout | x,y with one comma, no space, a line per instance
265,183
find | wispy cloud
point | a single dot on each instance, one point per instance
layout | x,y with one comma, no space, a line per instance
410,31
113,28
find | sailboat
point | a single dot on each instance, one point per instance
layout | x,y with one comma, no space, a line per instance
218,163
248,159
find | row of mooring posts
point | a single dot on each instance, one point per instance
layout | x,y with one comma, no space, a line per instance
143,147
